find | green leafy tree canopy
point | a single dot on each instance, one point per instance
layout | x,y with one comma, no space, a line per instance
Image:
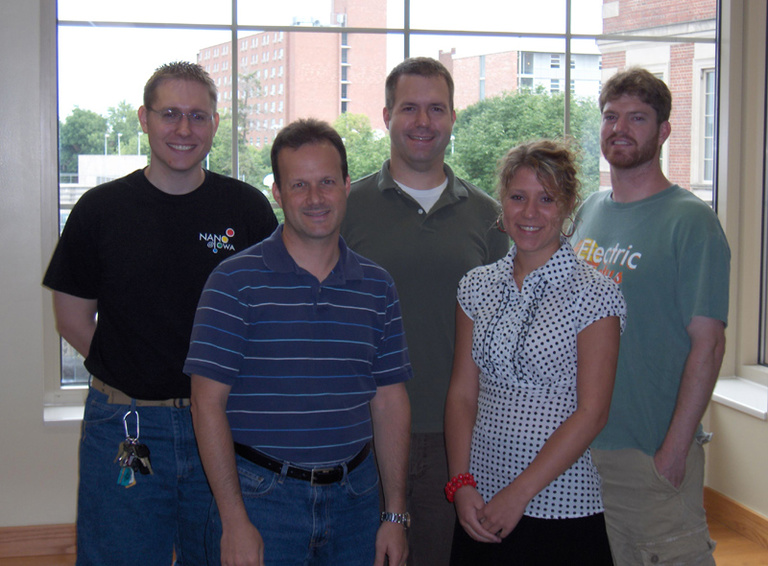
485,131
81,133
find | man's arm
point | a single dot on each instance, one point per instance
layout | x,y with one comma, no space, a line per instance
698,381
75,320
391,415
241,543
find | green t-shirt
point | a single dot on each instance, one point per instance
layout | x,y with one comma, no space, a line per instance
669,254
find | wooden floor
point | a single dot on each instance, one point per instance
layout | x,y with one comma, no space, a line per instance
732,550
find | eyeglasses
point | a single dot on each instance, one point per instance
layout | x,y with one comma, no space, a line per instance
171,116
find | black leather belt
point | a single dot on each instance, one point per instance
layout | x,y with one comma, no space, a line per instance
317,476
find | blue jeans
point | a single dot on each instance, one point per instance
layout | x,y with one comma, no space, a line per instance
142,524
302,524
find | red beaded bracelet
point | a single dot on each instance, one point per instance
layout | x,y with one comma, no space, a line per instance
457,483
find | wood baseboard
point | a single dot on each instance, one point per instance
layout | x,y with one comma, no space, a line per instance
736,516
43,540
38,540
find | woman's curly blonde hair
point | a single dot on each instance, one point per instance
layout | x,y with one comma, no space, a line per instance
555,168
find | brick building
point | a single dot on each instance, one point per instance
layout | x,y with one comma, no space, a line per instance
687,68
288,75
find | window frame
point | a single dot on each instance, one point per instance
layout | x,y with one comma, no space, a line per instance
54,392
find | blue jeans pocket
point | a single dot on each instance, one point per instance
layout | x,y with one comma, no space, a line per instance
254,481
363,479
98,413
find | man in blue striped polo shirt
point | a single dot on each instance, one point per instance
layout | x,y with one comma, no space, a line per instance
298,362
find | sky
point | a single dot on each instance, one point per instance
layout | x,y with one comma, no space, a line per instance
99,67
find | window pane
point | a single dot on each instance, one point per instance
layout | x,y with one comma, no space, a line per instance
100,138
290,13
508,88
542,16
587,16
167,11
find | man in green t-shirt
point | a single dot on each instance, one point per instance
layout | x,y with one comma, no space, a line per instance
666,249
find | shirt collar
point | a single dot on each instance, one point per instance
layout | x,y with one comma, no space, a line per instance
556,271
455,189
277,259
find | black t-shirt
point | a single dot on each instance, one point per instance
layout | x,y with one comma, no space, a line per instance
145,256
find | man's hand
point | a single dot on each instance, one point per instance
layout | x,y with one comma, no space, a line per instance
242,546
696,385
671,465
391,543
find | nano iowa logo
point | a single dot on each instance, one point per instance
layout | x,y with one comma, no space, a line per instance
218,242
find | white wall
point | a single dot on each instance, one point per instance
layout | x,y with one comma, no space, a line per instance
737,457
38,462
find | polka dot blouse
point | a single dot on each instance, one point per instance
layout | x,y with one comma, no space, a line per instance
524,343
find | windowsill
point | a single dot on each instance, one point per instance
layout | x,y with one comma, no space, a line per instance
63,413
737,393
742,395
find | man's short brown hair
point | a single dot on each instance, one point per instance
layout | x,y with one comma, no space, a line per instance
642,84
181,70
419,66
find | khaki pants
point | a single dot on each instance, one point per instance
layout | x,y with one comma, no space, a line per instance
649,522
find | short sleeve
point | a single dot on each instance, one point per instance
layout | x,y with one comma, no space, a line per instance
601,298
704,269
74,266
468,292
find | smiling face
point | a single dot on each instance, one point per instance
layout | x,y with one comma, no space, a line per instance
420,123
629,134
177,150
312,193
532,218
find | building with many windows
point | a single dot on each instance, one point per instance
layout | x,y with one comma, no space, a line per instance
276,71
687,68
484,76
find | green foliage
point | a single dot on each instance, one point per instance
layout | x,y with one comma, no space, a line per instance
253,162
123,119
485,131
82,133
366,149
249,88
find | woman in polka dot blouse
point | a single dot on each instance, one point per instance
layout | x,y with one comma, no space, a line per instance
537,339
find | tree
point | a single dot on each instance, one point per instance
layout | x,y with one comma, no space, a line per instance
253,163
82,133
485,131
366,148
249,89
124,120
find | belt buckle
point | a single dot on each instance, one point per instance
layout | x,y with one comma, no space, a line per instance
322,476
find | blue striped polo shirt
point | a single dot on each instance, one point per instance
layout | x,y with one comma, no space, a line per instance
303,358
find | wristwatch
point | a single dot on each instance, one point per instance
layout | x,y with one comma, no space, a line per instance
399,518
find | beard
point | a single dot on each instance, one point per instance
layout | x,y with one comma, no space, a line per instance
631,156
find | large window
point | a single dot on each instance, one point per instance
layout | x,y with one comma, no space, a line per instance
275,62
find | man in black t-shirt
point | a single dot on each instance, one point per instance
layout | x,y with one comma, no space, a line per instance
137,252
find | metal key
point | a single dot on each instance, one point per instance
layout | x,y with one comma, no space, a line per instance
126,453
141,462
